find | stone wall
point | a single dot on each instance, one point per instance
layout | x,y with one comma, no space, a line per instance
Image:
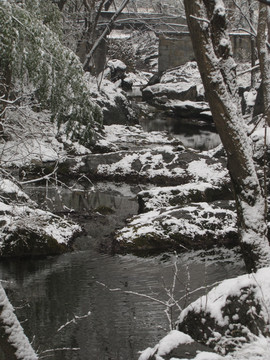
176,49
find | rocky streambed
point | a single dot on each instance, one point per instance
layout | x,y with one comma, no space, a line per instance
186,199
181,202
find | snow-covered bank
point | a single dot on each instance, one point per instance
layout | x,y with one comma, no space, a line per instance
232,320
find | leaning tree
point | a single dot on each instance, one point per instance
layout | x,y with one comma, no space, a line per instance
208,28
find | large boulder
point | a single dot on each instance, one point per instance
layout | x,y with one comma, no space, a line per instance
113,101
189,109
192,227
232,314
26,230
184,194
121,137
117,69
232,320
170,91
166,165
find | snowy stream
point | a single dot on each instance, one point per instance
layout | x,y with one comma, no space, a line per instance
192,132
82,304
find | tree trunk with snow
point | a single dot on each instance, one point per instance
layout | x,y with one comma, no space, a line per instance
211,43
14,345
264,56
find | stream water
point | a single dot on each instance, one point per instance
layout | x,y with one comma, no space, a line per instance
192,132
82,304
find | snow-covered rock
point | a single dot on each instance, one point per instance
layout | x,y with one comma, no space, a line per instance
179,93
188,72
189,109
232,319
170,91
177,345
133,137
195,226
113,101
117,68
215,189
166,165
232,314
26,230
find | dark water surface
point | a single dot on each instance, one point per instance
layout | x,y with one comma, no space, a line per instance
49,293
191,135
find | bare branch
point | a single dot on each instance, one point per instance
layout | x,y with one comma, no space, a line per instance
103,35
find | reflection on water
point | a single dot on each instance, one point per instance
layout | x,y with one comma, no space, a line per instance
194,136
101,195
205,140
56,290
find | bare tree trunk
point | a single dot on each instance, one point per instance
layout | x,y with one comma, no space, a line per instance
103,35
264,56
207,25
252,44
5,84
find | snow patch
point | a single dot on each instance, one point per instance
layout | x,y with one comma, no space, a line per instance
166,345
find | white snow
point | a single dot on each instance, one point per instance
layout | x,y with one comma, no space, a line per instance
166,345
169,88
250,97
158,197
116,64
173,339
213,173
155,165
103,90
9,187
186,104
185,73
118,134
219,8
119,34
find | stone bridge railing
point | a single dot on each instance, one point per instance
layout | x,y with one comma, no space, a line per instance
148,21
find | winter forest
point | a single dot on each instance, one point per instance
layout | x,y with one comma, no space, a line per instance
134,179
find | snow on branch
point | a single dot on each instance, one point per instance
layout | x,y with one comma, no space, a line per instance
74,320
200,19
